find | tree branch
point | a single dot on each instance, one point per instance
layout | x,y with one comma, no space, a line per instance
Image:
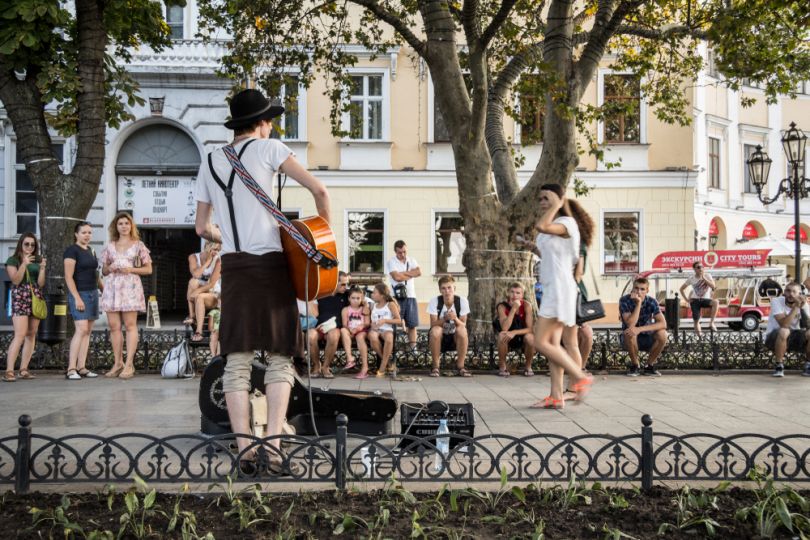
662,33
497,21
395,22
469,20
609,17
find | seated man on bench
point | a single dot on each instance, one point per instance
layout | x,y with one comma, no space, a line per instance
448,326
515,321
643,328
329,309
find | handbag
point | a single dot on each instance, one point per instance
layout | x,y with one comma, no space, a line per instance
589,310
39,309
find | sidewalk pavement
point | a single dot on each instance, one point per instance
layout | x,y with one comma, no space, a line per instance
679,403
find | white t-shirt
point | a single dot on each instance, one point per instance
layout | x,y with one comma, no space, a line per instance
449,326
700,288
779,307
257,228
395,265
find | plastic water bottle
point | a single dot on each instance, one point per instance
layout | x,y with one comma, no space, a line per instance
442,444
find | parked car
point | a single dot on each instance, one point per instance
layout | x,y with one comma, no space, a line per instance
738,292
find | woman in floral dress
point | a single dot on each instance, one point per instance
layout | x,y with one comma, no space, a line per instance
25,258
124,261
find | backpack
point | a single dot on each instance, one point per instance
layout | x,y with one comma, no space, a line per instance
456,304
517,322
178,363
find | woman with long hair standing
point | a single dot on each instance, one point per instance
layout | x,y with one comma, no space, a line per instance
81,278
124,261
26,270
556,331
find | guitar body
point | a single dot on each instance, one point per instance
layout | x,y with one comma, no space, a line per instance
322,281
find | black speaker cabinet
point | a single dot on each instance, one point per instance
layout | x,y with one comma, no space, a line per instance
370,413
422,420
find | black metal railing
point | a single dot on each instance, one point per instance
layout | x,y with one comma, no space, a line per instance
713,351
342,458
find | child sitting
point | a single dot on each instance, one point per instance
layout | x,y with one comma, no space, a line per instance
355,324
384,314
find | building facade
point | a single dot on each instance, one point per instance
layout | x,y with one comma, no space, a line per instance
393,178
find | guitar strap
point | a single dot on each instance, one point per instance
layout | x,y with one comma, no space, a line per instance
283,222
229,192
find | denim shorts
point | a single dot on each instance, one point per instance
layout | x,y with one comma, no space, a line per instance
408,310
90,299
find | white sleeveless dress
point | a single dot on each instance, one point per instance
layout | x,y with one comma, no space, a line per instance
558,258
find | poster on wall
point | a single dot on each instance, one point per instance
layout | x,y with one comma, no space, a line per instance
158,201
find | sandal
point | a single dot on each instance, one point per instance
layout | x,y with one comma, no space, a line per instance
73,375
114,372
435,372
127,374
9,377
327,374
463,372
528,373
583,387
549,403
197,337
25,374
503,373
361,375
349,365
84,372
315,374
188,321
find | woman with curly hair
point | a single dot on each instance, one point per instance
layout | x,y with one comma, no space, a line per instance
556,332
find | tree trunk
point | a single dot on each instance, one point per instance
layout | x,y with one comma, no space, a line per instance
64,199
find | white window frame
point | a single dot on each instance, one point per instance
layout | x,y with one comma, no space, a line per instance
433,257
600,100
385,99
346,253
11,181
184,11
601,229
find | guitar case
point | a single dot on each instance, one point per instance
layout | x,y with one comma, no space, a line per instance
370,413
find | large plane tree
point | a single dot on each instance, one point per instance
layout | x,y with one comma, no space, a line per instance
477,51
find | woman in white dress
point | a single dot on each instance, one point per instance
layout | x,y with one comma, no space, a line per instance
556,330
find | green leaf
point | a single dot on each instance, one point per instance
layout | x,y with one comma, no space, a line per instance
519,494
149,500
131,502
783,513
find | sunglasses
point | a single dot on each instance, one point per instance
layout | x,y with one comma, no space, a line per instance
30,244
698,268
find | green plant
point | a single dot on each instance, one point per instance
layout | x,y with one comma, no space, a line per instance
774,508
574,493
186,519
692,510
57,518
615,534
138,510
491,500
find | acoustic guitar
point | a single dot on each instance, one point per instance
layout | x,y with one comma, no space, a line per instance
323,278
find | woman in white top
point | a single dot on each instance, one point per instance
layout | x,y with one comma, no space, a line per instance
201,265
556,330
384,314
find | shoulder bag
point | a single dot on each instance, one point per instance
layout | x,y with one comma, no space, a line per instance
589,310
39,309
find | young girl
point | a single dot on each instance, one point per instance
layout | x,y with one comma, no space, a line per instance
384,314
355,324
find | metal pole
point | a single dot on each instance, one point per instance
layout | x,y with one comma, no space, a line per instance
22,461
797,236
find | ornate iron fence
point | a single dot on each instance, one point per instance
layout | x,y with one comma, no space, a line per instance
713,351
340,459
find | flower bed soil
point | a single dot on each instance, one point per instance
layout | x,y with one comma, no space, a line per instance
390,513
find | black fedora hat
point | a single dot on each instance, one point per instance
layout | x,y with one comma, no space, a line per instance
250,106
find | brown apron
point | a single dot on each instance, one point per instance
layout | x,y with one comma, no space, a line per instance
259,309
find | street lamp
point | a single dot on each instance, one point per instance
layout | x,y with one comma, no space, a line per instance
795,187
713,240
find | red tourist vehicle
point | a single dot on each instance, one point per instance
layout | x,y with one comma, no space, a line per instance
739,275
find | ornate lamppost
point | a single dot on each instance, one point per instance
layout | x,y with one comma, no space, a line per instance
794,186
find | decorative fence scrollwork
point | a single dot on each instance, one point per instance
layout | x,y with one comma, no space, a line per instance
342,458
685,350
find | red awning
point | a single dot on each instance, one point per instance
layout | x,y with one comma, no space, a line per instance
750,231
791,234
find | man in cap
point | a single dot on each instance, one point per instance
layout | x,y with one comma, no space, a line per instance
259,310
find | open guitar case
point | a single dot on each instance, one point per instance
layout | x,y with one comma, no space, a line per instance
370,413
